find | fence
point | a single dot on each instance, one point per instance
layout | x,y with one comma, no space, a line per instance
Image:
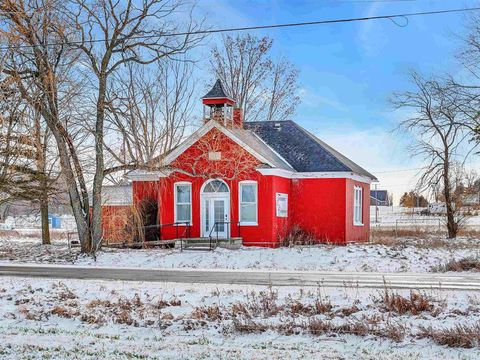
420,224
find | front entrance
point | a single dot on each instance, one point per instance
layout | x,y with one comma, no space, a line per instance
215,212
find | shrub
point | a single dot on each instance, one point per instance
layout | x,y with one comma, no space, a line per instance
296,235
463,336
415,304
465,264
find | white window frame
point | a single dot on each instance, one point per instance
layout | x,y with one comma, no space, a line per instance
181,183
240,184
357,206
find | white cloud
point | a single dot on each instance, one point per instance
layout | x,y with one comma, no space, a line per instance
315,100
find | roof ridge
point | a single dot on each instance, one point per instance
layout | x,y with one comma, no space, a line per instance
269,121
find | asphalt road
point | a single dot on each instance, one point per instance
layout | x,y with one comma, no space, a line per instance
449,281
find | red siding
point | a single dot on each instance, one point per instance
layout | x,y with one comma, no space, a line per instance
323,207
145,190
319,208
357,233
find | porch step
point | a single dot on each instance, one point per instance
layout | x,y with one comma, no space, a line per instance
203,243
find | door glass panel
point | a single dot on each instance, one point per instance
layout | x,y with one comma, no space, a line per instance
219,214
207,215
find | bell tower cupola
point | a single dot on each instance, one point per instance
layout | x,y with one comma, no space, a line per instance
218,106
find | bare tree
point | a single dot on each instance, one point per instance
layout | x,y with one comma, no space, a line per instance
113,35
469,57
435,125
39,65
49,40
264,89
149,113
281,99
27,159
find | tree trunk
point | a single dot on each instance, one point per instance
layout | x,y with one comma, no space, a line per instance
44,218
452,225
97,233
80,210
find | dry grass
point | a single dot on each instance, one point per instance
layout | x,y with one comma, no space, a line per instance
423,239
458,336
465,264
297,236
249,326
307,313
415,304
211,313
33,234
319,327
64,312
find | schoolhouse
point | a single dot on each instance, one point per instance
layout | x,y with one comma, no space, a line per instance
254,181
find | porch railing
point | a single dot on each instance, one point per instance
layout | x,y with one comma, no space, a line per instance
177,225
215,229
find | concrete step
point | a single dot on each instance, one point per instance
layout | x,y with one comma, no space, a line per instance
204,243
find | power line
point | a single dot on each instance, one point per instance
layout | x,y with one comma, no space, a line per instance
368,1
262,27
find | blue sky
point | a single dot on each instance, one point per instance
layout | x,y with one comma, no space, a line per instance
348,71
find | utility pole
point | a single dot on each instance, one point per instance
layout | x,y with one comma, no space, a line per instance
376,204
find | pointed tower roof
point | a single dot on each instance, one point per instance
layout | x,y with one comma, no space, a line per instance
217,91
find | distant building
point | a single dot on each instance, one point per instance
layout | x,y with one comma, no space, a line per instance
54,221
471,200
379,198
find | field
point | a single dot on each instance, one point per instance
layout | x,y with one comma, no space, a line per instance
91,319
83,319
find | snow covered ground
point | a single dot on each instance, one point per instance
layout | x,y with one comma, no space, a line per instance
113,319
404,255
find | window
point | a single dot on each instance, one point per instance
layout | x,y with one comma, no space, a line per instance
282,205
215,186
357,206
248,203
183,202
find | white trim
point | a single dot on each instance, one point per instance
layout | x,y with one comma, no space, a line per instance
314,175
247,223
213,196
356,205
197,135
209,181
192,139
189,184
137,175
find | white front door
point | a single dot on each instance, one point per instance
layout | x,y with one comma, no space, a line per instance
215,216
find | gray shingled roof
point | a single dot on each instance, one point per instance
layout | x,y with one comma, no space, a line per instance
256,143
217,91
302,150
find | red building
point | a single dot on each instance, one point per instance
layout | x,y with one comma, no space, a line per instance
255,180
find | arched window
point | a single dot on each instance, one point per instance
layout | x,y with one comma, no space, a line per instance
215,186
